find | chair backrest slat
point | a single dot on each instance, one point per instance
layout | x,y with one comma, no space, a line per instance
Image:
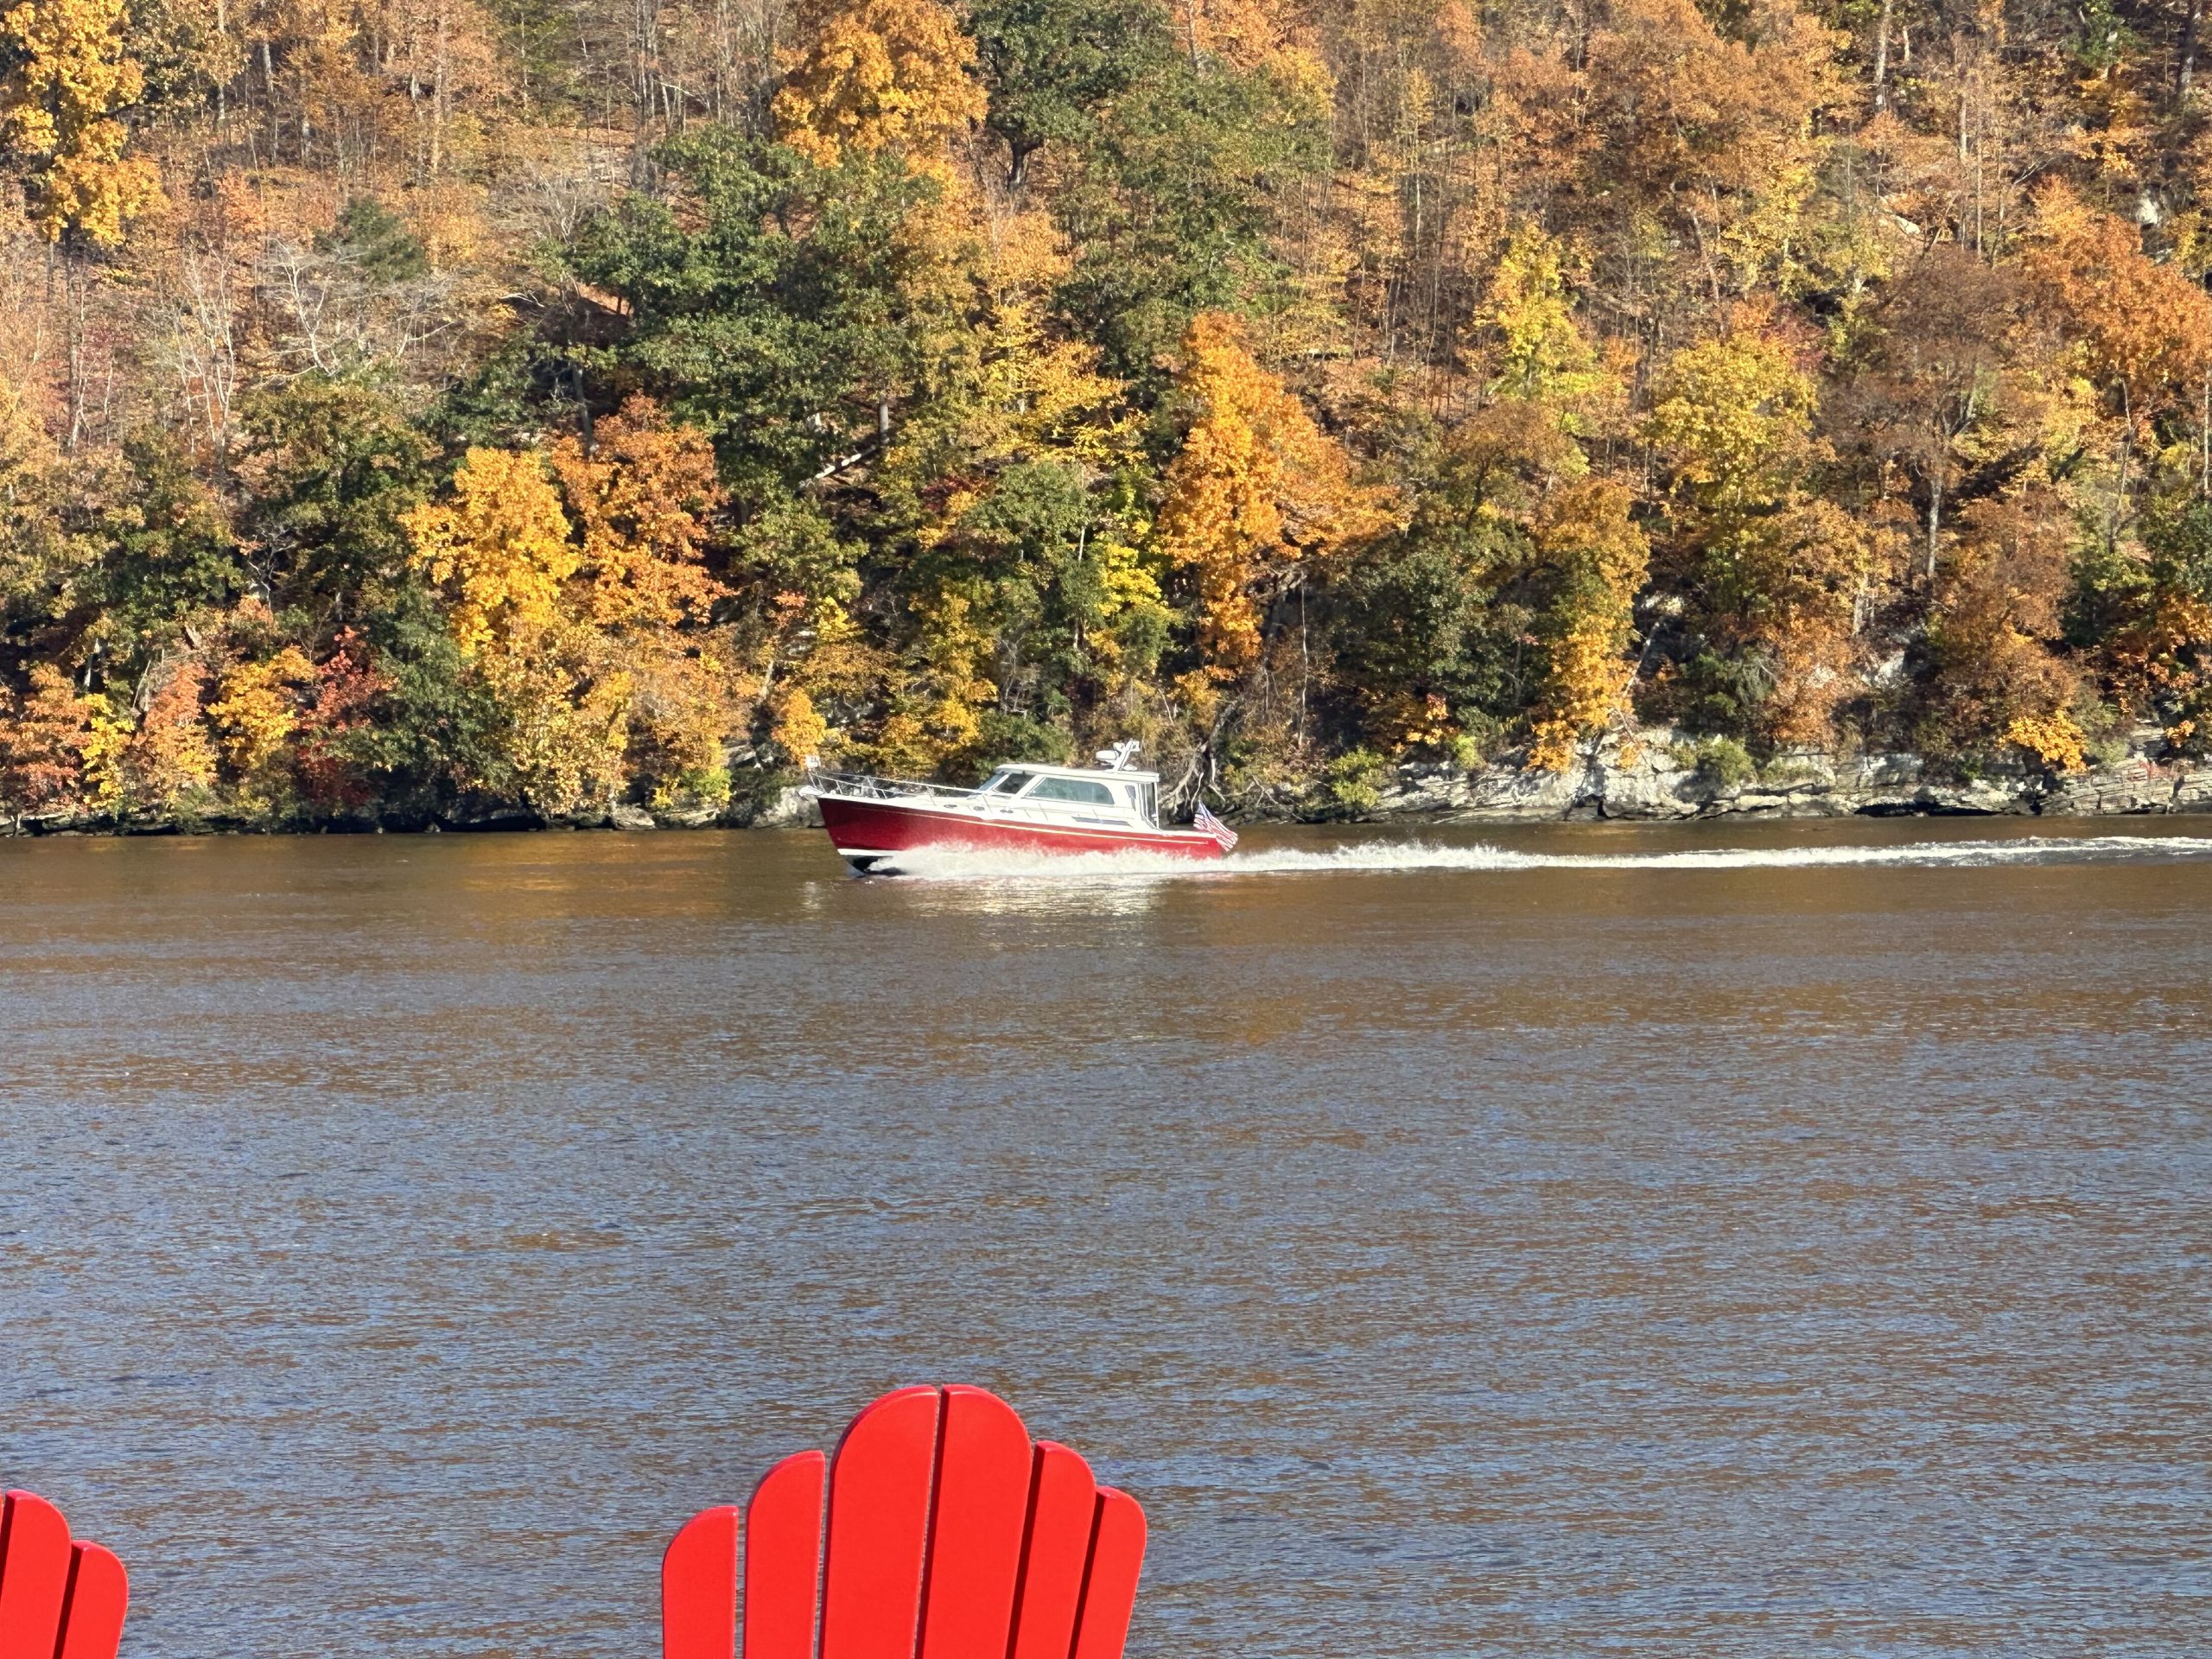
698,1587
100,1594
879,1528
1063,1503
58,1599
33,1576
1110,1584
983,1499
782,1558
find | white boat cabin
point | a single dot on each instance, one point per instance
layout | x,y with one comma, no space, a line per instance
1085,795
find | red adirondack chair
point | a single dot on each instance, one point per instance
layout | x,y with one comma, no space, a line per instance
949,1535
58,1599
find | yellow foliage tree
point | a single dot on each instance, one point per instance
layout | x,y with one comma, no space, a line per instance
1255,489
1733,415
1541,354
499,548
586,622
107,740
58,111
877,75
799,729
643,499
1604,560
1766,563
255,710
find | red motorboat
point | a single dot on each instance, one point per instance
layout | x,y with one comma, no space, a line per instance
875,823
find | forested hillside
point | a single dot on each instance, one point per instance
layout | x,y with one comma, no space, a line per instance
426,407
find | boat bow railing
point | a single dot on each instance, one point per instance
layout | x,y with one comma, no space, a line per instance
869,787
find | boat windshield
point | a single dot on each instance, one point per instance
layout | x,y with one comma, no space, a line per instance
1073,789
1010,783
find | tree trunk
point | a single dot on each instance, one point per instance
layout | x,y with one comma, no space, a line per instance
75,284
222,87
1882,58
644,63
2119,485
2185,72
438,77
1935,518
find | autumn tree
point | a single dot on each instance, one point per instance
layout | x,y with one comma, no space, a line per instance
69,80
72,79
877,75
642,495
576,595
43,732
1538,352
254,713
500,552
1602,559
1254,493
1708,130
1989,677
1767,566
644,502
168,763
2144,328
1940,391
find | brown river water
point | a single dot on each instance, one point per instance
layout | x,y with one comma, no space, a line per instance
1722,1241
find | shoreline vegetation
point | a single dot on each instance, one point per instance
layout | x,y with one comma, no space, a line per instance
1651,776
419,413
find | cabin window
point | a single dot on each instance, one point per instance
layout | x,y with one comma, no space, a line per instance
1073,789
1011,783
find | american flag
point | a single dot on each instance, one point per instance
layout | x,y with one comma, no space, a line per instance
1204,819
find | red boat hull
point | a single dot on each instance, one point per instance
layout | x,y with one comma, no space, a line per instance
870,833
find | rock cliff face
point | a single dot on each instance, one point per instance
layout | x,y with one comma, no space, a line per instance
1646,776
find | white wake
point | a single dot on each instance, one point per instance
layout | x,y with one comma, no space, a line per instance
950,865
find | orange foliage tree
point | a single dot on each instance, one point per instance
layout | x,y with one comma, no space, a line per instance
170,760
1254,493
2143,328
586,618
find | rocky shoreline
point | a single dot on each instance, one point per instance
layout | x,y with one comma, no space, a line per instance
1651,776
1654,776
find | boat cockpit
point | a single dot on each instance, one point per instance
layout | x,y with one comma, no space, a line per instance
1055,790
